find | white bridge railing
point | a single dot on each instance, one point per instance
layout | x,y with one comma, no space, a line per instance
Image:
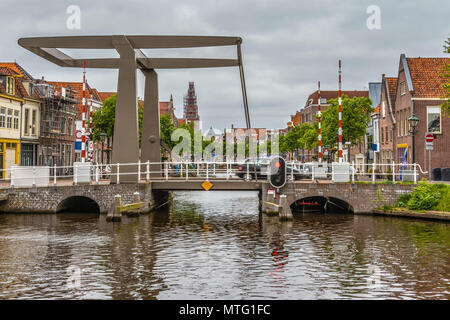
81,173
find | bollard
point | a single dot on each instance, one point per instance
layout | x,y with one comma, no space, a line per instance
147,178
136,197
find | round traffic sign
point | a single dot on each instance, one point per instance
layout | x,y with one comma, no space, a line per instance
429,137
78,134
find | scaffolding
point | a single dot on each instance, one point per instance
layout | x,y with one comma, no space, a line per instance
57,121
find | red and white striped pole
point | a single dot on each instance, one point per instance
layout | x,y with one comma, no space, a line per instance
340,112
90,125
83,117
319,115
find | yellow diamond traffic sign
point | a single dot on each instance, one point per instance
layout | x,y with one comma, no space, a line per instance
207,185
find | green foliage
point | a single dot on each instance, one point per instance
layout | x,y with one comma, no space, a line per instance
103,119
402,201
446,74
355,118
387,208
428,196
300,137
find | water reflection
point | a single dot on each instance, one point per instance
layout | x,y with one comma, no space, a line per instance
216,245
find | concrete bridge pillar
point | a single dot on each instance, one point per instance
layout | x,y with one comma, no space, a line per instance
126,134
150,143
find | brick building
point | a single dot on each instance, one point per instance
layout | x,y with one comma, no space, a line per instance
387,122
419,91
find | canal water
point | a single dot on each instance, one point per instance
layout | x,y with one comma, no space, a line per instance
215,245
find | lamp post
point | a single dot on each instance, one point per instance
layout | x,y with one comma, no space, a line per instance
413,121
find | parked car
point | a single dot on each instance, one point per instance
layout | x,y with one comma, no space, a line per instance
259,168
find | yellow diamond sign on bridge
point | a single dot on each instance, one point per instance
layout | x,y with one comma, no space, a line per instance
207,185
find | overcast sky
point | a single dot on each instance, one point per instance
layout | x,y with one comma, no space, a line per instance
287,47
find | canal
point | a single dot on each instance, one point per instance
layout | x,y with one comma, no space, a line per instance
215,245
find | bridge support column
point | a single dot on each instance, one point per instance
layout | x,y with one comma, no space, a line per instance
126,134
113,212
151,139
284,212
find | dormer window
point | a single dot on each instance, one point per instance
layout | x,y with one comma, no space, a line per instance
10,85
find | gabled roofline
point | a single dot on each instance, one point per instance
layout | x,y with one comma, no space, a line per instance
407,73
386,89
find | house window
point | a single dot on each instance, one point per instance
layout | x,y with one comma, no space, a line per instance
402,88
2,117
33,122
10,85
26,122
9,119
16,119
434,119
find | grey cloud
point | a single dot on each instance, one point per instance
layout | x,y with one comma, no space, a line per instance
288,46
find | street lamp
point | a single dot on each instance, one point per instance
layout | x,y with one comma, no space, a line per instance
413,121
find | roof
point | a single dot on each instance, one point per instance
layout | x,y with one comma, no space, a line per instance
333,94
77,88
392,86
6,71
426,76
105,95
18,69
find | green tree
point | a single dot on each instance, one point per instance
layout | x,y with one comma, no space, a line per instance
355,118
103,119
446,85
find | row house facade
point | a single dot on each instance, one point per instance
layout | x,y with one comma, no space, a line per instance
417,90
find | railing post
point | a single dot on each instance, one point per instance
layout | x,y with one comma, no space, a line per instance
118,173
147,177
373,172
139,171
312,173
415,174
11,182
214,168
353,171
248,170
393,171
228,170
292,171
181,169
187,170
166,170
97,171
75,174
207,171
54,174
